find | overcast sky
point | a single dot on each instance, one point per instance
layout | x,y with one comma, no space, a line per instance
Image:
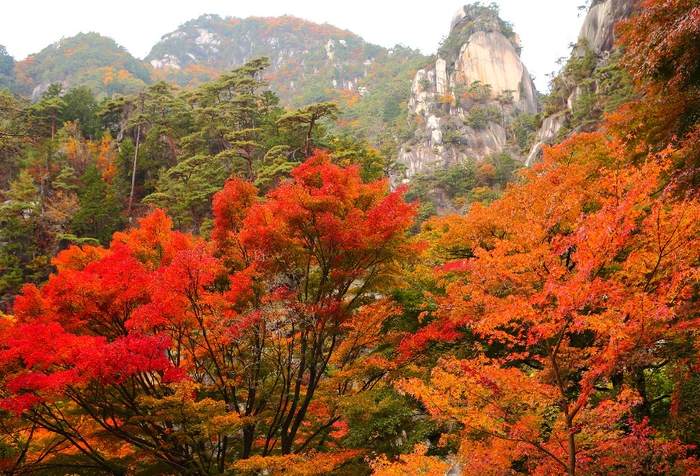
546,27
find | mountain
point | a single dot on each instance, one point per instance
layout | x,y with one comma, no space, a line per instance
309,63
87,59
306,59
591,83
475,100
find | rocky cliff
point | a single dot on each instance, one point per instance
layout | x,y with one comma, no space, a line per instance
590,84
468,103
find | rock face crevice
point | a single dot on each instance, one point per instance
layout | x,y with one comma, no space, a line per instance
463,107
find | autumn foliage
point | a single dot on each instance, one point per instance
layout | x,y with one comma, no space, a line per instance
554,331
171,352
559,331
573,289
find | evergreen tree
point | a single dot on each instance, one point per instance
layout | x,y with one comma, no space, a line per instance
7,64
45,113
98,216
14,130
21,258
80,105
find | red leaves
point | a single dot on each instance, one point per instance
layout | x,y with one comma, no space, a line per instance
100,297
230,208
274,309
154,243
325,218
659,40
55,359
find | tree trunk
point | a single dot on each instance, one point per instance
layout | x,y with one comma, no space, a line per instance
133,171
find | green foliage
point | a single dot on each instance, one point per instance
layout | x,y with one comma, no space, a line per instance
384,420
14,131
379,113
463,183
451,136
427,211
506,96
598,87
7,64
79,105
582,62
187,188
425,85
45,113
21,258
306,118
479,116
87,59
523,128
228,126
121,183
275,167
456,181
614,84
584,106
99,214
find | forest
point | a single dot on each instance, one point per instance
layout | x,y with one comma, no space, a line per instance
200,281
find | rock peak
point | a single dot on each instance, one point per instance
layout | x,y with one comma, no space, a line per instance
463,106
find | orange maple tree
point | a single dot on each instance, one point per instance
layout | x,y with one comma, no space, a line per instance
662,57
564,294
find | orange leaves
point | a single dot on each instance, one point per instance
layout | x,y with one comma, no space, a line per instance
230,208
569,281
154,243
662,57
108,74
666,246
294,465
659,40
484,397
325,218
414,464
106,158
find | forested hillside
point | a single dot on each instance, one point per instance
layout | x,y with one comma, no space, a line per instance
7,64
309,63
203,280
87,60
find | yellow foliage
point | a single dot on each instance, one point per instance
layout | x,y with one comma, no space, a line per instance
415,464
310,464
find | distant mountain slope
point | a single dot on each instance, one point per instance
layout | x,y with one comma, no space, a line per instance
301,53
7,64
87,59
309,63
